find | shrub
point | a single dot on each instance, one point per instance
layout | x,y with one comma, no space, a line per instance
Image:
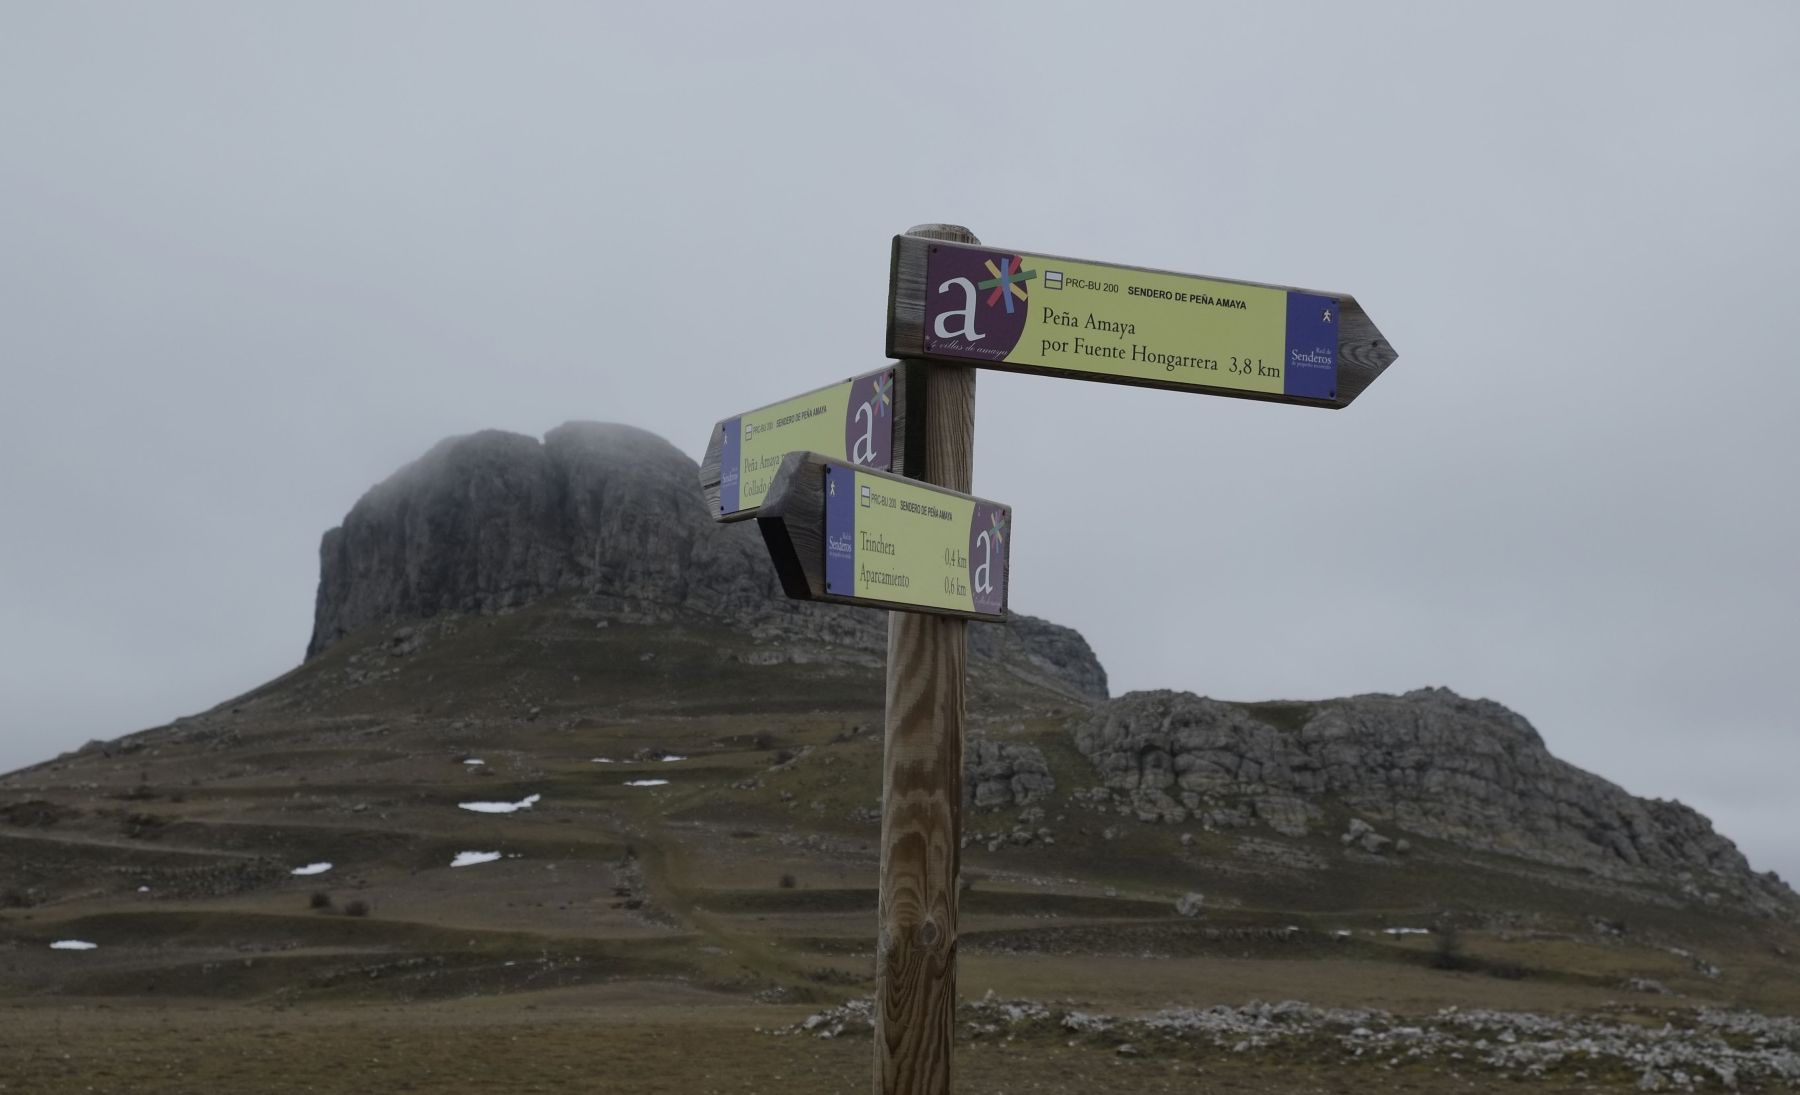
1448,953
827,975
357,908
1506,970
788,882
321,900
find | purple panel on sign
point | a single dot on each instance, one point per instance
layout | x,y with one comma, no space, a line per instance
730,462
1312,347
975,302
989,533
869,421
840,531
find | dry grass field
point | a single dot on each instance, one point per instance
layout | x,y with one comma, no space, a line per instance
640,936
657,1045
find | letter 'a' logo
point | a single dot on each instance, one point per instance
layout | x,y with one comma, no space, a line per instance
966,313
984,570
1008,285
989,542
862,450
977,302
863,446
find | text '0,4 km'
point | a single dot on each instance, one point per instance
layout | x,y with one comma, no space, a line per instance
841,533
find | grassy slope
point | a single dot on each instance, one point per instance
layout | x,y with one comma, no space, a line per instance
618,894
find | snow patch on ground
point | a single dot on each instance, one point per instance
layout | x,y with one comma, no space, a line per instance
310,869
470,859
525,803
73,945
603,760
474,761
671,756
645,782
1407,931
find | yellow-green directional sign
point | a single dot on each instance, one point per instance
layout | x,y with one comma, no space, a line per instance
862,420
1025,312
837,532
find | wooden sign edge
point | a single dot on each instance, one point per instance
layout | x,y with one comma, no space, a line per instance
1363,352
909,435
792,503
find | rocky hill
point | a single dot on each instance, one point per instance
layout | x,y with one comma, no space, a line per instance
1429,763
561,748
496,520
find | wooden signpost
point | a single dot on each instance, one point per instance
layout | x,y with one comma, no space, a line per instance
854,523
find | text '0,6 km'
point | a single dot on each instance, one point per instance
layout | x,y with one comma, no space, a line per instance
1022,312
841,533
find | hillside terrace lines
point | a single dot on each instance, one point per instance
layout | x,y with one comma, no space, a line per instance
209,843
135,850
256,924
768,794
565,779
976,904
417,848
236,954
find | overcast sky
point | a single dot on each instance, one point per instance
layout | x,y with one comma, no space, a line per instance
255,257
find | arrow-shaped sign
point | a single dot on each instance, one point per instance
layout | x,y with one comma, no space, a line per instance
841,533
872,420
1029,313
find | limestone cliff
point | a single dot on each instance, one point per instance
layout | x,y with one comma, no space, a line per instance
1429,763
497,520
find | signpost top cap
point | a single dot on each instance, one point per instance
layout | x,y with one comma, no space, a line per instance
953,233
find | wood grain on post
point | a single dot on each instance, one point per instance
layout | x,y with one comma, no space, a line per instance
922,774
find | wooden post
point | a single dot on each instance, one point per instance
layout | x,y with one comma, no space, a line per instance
922,777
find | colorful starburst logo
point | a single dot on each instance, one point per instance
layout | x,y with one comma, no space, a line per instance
997,526
1006,283
883,397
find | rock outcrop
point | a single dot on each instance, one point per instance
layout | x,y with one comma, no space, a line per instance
494,521
497,520
998,775
1430,763
1695,1049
